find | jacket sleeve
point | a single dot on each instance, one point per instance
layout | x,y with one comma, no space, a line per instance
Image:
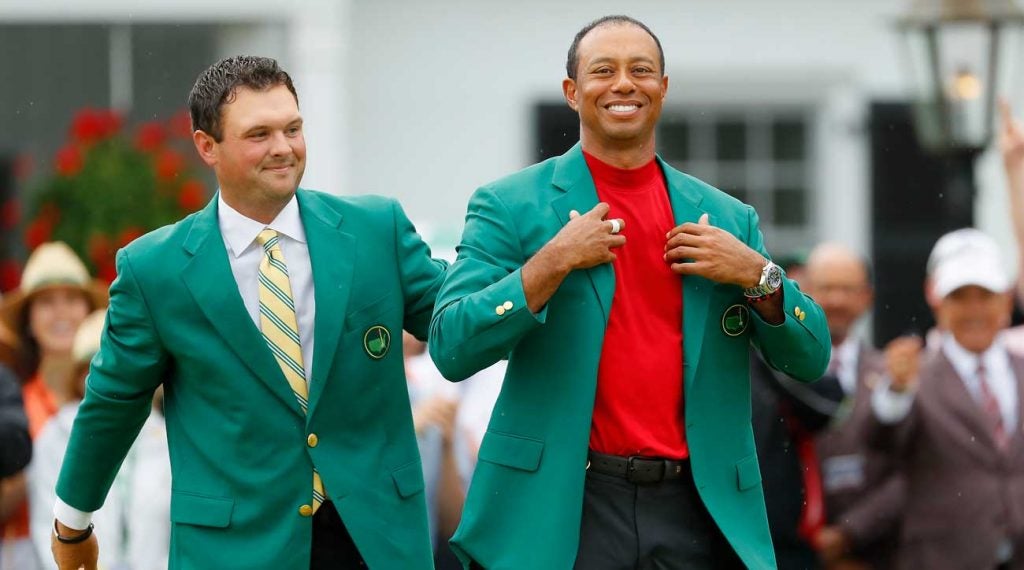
481,311
421,275
130,364
15,445
801,345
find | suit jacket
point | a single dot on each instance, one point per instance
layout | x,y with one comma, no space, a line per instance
524,503
780,408
962,493
864,493
240,461
15,445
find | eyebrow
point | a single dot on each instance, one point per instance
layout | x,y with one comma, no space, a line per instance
257,127
635,59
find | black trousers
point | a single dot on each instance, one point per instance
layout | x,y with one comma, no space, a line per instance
656,526
333,548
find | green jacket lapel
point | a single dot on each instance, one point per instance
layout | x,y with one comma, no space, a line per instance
332,255
209,278
573,178
696,290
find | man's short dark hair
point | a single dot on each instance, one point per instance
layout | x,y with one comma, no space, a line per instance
218,84
573,61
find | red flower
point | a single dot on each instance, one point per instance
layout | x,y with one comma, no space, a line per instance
180,125
69,160
129,235
106,271
10,213
38,232
101,251
150,136
91,125
192,195
169,164
10,274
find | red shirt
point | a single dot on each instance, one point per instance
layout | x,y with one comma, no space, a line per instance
639,404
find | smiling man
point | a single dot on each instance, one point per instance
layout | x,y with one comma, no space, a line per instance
625,295
268,317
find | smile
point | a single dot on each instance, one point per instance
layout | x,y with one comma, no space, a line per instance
623,108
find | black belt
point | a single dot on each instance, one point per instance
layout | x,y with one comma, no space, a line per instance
638,469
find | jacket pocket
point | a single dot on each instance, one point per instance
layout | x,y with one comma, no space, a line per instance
371,312
512,451
200,510
748,475
408,479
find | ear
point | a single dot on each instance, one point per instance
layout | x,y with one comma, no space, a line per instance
664,87
569,91
206,147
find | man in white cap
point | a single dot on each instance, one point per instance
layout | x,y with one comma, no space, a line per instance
953,417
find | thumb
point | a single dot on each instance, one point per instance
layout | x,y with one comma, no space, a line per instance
573,214
704,220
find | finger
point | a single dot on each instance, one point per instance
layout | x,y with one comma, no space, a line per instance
616,225
704,220
674,231
600,210
684,240
616,240
573,214
680,254
689,268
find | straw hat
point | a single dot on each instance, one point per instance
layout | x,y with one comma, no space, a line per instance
51,265
87,337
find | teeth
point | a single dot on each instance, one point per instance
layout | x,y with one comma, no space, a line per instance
623,108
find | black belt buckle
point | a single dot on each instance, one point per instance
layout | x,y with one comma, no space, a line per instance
641,470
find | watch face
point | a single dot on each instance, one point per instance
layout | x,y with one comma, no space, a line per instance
774,277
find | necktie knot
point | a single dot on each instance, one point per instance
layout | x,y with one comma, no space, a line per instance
268,240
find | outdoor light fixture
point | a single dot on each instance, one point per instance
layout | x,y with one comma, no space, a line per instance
955,52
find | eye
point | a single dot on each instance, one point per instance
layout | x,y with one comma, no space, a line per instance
257,135
603,71
294,130
642,69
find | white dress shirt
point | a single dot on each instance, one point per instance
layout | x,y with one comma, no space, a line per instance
891,407
847,355
244,255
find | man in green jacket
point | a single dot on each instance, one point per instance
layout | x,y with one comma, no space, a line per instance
281,457
624,295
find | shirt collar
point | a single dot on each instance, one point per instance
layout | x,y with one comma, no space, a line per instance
966,362
240,232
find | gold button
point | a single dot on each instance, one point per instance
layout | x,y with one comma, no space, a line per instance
500,310
312,440
803,315
306,511
508,305
796,311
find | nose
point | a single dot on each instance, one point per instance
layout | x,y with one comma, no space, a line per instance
623,83
279,144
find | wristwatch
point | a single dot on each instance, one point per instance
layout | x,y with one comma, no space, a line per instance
771,280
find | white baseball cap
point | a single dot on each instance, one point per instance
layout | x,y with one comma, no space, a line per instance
967,257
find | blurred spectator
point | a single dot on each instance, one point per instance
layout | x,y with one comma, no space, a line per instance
134,523
434,405
479,394
56,294
952,418
863,494
1011,146
785,414
15,445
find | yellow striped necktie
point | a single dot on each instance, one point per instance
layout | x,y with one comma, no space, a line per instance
281,330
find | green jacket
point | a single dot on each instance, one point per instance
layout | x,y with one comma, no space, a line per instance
524,503
240,460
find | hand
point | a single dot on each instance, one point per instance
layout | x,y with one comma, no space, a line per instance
903,360
587,240
1011,140
436,411
831,543
81,556
715,253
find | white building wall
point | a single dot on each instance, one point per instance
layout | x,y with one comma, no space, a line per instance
426,100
